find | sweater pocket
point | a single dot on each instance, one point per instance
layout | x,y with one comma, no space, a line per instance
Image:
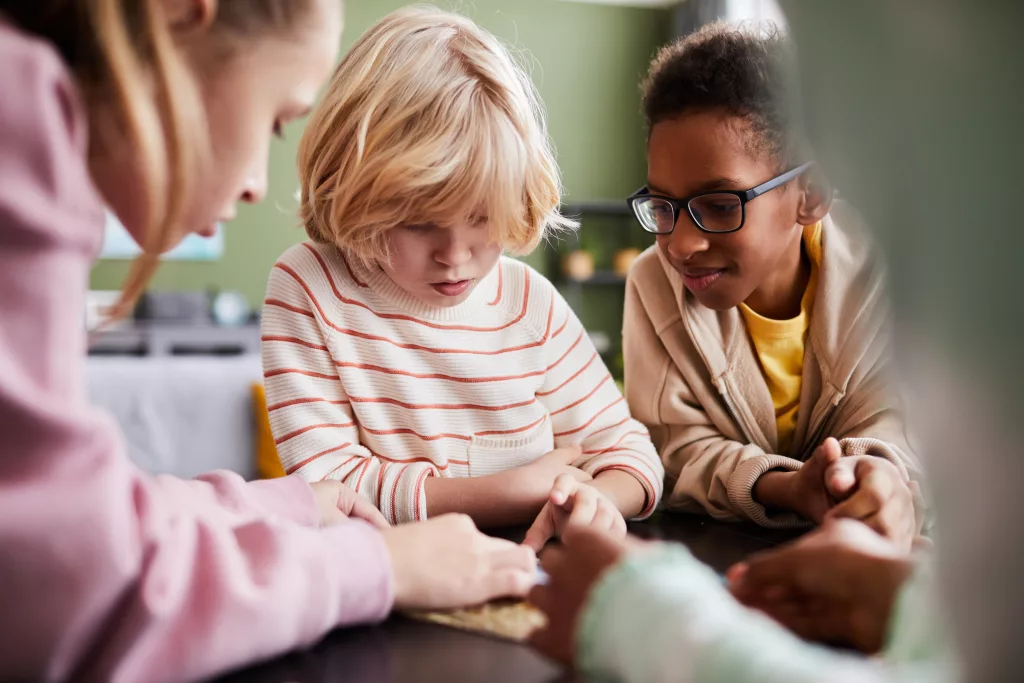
489,455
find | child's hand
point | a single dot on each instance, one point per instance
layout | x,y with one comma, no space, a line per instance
572,503
336,503
874,492
803,491
837,584
444,563
573,568
532,483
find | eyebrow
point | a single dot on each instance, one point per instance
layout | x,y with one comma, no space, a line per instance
720,183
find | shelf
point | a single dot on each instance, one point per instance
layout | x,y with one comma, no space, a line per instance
606,206
599,278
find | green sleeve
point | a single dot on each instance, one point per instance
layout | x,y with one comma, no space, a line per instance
664,616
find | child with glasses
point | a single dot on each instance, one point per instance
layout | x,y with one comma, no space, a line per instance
755,336
404,354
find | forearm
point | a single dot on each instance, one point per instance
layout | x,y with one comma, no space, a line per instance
624,491
489,500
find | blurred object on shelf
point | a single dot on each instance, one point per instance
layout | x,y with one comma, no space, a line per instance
623,260
578,265
174,307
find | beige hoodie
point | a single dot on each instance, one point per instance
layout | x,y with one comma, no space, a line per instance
692,376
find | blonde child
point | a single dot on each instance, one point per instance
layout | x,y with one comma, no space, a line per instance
403,354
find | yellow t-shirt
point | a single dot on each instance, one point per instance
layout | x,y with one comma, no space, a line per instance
780,347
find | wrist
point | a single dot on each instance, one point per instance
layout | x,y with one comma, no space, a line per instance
777,490
622,490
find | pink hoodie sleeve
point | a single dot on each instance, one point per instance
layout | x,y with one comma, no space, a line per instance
107,573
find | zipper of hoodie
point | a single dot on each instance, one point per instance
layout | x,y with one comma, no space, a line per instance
810,444
723,389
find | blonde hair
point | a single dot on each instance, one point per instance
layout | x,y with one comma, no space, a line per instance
428,118
129,67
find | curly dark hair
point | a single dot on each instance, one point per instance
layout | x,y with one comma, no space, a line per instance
748,70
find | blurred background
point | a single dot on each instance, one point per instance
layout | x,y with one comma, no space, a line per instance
183,376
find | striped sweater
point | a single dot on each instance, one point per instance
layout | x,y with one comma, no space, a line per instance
367,385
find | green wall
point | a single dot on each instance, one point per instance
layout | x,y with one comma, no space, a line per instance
587,61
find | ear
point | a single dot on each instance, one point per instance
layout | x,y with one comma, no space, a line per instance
816,196
190,16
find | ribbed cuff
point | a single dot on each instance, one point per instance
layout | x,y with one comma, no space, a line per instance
741,491
877,448
288,497
404,498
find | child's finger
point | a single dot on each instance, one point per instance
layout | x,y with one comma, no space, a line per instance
542,529
584,506
873,491
824,456
840,479
564,487
604,518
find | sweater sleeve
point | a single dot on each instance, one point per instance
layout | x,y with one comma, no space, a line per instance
663,616
107,573
587,408
315,429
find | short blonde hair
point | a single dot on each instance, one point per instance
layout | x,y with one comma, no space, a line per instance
428,118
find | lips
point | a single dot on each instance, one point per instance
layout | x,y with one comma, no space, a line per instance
451,288
698,279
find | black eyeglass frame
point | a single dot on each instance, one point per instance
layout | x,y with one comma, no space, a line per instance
744,196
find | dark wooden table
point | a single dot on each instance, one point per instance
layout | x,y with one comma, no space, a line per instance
401,650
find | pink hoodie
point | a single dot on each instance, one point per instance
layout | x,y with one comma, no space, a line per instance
107,573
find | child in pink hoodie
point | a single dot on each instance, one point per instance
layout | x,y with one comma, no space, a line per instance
107,573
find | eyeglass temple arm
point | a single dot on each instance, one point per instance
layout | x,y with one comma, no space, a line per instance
777,181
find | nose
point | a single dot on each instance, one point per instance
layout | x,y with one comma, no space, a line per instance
254,190
454,251
686,240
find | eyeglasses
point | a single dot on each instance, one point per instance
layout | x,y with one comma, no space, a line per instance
718,212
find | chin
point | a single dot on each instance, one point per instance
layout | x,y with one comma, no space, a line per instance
717,301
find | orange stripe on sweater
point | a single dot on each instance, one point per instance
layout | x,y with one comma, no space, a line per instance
604,429
314,457
394,492
578,401
516,430
614,446
497,297
296,371
365,466
453,378
345,462
300,401
398,316
561,329
419,489
589,422
309,428
440,406
574,376
380,484
416,459
288,307
293,340
412,432
351,272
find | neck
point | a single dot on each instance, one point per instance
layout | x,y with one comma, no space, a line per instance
780,296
